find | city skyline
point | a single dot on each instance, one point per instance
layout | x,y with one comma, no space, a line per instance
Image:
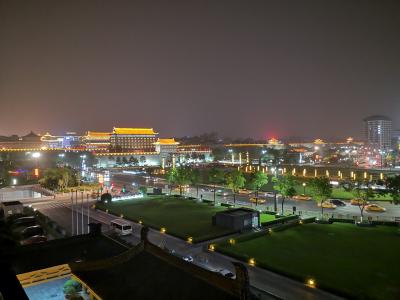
263,69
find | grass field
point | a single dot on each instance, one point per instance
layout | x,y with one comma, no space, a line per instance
360,262
181,217
267,217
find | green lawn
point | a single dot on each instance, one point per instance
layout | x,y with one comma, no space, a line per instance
181,217
361,262
266,217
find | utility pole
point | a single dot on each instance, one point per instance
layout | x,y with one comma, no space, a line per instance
77,213
83,228
72,212
88,212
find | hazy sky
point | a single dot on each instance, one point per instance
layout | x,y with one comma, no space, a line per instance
242,68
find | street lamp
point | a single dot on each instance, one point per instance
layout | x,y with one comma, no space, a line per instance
304,188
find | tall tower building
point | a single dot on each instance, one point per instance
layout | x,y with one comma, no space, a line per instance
378,132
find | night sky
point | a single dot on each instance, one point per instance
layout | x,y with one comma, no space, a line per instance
241,68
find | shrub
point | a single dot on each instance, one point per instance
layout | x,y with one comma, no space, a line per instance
106,197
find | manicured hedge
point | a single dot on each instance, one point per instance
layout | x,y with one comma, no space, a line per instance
308,220
226,204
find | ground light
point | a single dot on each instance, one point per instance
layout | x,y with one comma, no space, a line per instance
252,262
269,230
190,240
311,282
232,241
211,247
140,222
163,230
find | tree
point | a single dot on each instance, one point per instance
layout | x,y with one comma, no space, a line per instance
215,176
235,180
118,160
171,177
195,179
362,194
321,190
142,160
58,178
143,190
133,161
106,197
257,180
285,185
393,187
183,177
124,160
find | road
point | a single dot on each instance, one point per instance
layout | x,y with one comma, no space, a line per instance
306,207
270,283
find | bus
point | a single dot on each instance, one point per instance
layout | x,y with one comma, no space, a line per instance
121,226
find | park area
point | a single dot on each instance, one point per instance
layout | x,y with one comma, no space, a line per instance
359,262
179,216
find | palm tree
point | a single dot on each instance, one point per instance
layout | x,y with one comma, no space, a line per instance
321,190
235,181
257,180
285,185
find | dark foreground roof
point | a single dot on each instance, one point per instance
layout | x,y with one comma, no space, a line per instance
148,272
148,277
57,252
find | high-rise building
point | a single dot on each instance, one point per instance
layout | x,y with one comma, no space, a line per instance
378,132
133,139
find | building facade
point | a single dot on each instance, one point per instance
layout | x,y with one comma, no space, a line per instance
133,139
378,132
97,141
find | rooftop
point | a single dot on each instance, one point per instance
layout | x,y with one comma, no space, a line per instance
138,131
377,118
166,142
237,211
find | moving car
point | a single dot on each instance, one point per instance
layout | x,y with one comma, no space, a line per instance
337,202
255,200
302,197
188,258
357,202
226,273
222,193
244,191
269,194
375,208
327,204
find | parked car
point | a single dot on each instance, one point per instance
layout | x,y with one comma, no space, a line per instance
327,204
34,240
25,221
375,208
257,200
222,194
357,202
337,202
31,231
302,197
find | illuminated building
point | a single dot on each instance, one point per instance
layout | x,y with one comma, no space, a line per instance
52,142
71,140
29,141
166,147
97,141
378,132
133,139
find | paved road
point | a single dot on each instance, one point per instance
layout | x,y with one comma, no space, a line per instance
60,211
308,207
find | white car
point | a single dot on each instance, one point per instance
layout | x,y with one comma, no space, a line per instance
227,273
188,258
